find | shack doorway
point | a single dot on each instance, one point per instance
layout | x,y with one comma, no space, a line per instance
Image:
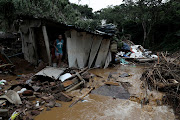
53,33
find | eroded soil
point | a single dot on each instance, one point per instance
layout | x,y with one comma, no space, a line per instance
98,107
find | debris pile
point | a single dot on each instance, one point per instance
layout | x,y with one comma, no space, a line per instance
135,53
165,76
6,65
109,29
34,93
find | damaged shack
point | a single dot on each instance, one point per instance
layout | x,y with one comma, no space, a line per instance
81,48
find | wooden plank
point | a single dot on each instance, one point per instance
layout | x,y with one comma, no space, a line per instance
46,39
79,49
94,49
25,44
5,65
108,59
67,83
84,43
112,83
32,47
28,43
87,44
83,70
75,86
84,95
71,48
102,54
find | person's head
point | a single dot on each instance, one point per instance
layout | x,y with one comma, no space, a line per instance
60,37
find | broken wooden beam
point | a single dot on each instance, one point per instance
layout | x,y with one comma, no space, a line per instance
112,83
83,70
82,97
74,87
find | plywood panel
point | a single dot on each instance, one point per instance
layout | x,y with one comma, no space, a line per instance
46,39
79,48
87,44
102,54
108,60
71,49
28,45
84,43
94,49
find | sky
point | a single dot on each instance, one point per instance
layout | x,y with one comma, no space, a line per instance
97,4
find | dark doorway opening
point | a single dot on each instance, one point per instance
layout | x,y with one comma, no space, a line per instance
53,33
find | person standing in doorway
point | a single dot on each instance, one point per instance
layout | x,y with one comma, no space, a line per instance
58,44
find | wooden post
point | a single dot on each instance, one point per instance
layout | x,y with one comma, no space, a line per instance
46,39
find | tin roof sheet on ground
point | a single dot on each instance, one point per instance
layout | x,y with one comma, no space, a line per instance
52,72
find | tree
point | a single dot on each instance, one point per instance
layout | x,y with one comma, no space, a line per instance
147,13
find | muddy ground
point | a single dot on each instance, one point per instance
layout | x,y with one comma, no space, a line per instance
98,107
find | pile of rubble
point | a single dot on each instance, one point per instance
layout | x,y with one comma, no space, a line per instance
136,53
6,65
36,92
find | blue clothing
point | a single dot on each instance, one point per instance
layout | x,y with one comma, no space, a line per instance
59,46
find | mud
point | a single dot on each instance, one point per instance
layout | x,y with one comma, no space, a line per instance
98,107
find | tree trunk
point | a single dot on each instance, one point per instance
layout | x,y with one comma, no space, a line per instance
145,32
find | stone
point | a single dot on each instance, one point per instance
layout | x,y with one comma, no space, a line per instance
46,99
27,93
62,97
41,109
28,106
50,104
42,103
35,112
52,83
31,98
58,105
48,109
36,88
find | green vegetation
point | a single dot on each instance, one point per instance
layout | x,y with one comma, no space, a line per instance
152,23
57,10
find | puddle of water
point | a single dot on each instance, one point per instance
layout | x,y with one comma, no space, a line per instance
97,107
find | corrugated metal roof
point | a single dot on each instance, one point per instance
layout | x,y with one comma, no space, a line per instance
51,72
